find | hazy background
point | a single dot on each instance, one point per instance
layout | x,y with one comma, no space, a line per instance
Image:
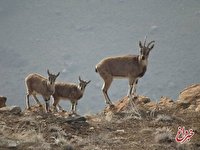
72,36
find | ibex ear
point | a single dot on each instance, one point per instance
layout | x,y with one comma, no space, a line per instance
140,44
58,74
48,72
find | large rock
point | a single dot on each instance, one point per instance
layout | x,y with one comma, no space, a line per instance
190,97
191,94
2,101
126,104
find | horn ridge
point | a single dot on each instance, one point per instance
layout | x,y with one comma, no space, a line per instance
150,43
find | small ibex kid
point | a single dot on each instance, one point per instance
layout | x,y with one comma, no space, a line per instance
70,91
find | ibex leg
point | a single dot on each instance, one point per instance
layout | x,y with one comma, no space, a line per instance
60,108
105,88
73,107
27,102
132,90
47,104
36,99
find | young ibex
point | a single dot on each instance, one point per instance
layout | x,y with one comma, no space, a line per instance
37,84
132,67
69,91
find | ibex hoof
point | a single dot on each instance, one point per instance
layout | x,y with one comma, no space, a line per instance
40,105
29,108
64,110
73,114
111,106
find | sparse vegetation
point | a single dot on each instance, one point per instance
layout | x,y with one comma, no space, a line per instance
163,135
38,130
119,127
163,118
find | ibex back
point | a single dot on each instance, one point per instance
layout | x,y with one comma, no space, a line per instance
132,67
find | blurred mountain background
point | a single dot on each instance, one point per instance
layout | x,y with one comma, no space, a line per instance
73,36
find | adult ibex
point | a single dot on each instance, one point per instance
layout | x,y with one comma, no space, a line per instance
37,84
132,67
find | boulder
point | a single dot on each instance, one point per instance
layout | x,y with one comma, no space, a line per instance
166,102
2,101
189,98
126,104
143,100
75,119
191,94
11,109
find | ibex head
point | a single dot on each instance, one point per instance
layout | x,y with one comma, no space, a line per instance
52,77
144,50
83,83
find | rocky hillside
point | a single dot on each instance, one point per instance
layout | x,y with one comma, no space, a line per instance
130,124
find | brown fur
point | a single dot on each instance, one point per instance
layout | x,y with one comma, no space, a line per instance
69,91
121,66
37,84
132,67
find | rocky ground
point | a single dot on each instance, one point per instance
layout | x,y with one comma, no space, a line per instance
131,124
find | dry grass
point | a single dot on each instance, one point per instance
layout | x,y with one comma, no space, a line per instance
163,135
115,131
163,118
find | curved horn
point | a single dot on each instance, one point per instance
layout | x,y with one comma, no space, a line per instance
150,43
79,78
58,74
89,81
48,72
145,39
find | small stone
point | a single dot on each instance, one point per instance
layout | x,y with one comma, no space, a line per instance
12,144
120,131
91,128
16,110
67,147
144,99
75,119
198,108
192,107
109,116
12,109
